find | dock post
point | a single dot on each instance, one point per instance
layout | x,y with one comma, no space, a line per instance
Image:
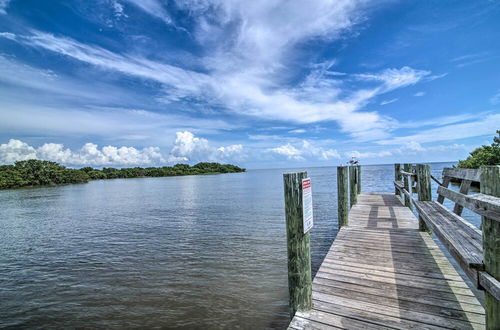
359,179
353,189
298,245
407,168
490,185
342,195
397,177
423,189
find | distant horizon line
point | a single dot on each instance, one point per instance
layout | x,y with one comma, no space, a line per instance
285,168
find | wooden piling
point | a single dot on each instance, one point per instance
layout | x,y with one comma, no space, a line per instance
397,177
490,184
353,189
298,245
407,168
423,189
342,196
358,184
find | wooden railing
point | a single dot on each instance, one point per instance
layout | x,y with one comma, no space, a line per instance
477,252
298,241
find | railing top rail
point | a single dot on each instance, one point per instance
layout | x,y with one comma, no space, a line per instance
407,173
463,173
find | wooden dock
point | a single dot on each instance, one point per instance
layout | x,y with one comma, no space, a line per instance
382,272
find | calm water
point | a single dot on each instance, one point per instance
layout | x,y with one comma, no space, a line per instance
195,252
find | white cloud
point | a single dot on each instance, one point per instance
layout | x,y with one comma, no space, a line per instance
3,6
289,151
189,148
484,126
367,155
89,154
118,8
297,131
419,94
15,150
443,121
186,148
395,78
495,99
7,35
307,150
264,137
154,8
249,45
471,59
412,149
185,82
413,146
388,101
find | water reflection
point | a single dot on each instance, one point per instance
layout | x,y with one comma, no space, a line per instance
178,252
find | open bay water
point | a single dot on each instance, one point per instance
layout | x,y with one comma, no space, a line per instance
191,252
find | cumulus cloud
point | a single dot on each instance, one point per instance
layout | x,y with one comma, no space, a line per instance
307,150
419,94
187,147
89,154
289,151
15,150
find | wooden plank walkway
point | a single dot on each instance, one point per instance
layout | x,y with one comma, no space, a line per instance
382,273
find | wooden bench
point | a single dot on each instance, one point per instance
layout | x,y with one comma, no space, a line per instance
463,240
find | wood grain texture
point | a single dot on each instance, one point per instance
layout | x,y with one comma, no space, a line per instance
342,195
424,192
462,174
462,240
397,178
353,188
490,185
298,245
407,183
482,204
358,184
382,272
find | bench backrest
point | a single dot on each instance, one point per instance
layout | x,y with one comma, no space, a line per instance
482,204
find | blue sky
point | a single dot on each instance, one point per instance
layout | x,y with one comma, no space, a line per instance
256,83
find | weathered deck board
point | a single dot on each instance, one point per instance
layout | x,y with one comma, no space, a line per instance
382,273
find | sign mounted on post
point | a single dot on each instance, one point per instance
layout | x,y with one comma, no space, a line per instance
307,204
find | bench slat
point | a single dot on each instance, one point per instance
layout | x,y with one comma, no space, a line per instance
462,173
485,205
490,284
462,240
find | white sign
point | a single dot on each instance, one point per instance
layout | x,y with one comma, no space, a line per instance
307,204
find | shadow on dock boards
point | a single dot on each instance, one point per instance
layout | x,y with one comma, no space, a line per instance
382,272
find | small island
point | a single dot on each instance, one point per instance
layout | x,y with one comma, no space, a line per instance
33,172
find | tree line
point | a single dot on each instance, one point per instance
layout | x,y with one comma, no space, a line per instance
41,172
484,155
